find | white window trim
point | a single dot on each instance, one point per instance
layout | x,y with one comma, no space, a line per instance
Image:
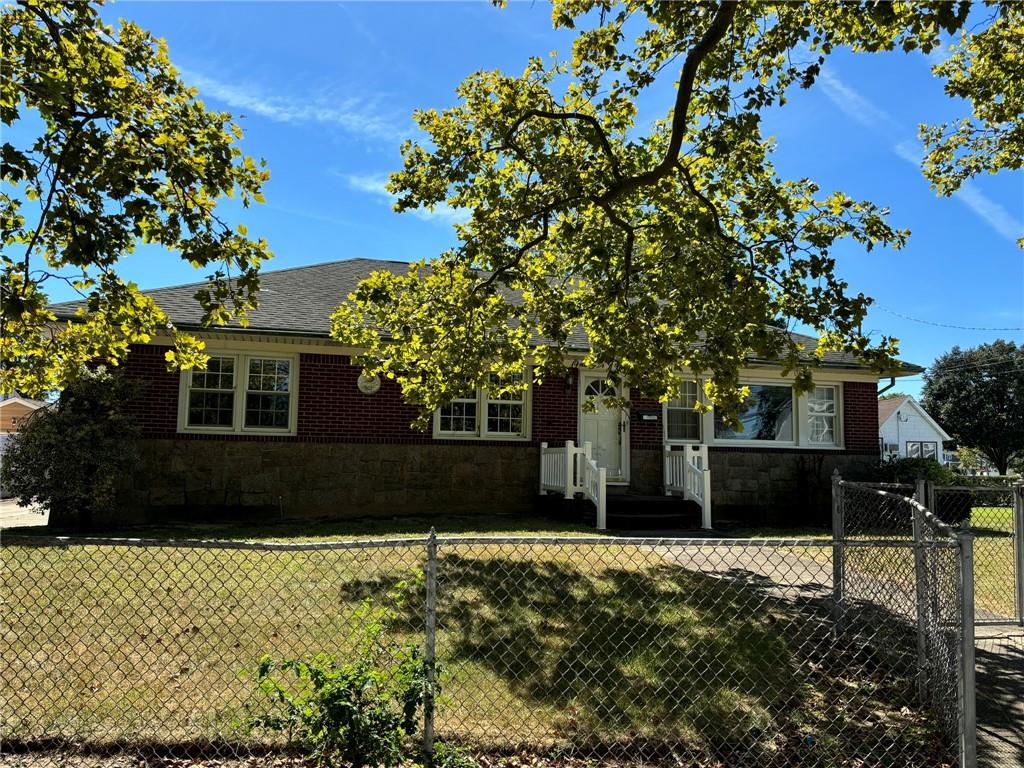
481,419
804,437
240,381
700,419
709,422
801,415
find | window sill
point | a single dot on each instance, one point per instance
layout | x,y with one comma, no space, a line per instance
480,438
224,431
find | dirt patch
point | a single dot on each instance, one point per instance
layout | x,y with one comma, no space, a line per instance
65,760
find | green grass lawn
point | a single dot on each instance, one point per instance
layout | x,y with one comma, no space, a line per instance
407,526
994,588
605,646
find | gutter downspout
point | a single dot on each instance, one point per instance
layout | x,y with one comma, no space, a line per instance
887,387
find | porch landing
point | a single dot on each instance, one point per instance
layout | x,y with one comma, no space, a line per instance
628,511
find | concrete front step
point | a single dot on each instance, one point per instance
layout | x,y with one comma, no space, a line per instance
629,511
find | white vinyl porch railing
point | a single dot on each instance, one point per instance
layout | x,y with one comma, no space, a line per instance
569,470
687,472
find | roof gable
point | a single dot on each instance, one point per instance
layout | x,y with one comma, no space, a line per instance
18,399
888,406
911,403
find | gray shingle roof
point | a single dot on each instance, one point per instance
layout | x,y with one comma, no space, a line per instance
300,300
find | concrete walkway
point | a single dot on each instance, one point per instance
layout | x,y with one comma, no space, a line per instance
13,516
999,665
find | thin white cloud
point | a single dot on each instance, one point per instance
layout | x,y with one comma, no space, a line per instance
375,185
868,114
983,206
351,114
852,104
995,215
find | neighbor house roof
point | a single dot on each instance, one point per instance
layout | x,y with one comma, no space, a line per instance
300,300
14,397
888,406
886,409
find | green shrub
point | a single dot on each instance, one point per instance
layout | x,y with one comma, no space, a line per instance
897,470
452,756
70,456
357,712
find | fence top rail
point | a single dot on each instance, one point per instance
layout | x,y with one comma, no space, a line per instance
1004,490
312,546
266,546
871,488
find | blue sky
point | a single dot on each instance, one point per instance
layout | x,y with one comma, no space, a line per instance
327,92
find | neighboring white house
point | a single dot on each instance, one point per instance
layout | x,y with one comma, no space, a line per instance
906,430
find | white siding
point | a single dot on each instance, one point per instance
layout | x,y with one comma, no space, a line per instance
915,428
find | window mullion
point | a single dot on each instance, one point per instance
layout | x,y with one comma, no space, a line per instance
241,369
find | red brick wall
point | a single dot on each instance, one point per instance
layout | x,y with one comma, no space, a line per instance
645,435
332,409
556,409
155,406
860,416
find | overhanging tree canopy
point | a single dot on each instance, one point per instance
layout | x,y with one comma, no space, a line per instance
674,247
120,152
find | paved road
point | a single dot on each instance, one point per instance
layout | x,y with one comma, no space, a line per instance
13,516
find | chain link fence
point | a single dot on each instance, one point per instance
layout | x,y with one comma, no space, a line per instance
989,511
883,539
621,651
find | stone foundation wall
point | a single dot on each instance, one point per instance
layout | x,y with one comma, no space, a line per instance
199,479
780,487
647,471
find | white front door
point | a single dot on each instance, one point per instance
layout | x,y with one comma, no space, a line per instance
602,427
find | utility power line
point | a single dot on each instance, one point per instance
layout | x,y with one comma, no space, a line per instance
943,325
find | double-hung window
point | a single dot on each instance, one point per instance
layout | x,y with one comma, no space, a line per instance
460,416
917,449
211,394
485,413
821,415
240,393
682,421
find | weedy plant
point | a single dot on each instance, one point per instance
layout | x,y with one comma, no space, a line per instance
357,711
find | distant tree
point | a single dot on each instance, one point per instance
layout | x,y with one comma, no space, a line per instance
972,459
69,456
111,150
977,395
893,395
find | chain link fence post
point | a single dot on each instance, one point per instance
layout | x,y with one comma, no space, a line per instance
921,597
1018,549
430,649
838,565
969,748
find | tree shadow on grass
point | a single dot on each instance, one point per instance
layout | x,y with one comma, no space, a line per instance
659,658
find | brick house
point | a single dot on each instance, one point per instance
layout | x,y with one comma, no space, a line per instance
282,424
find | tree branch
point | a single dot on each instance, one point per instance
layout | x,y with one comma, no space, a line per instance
719,26
591,120
518,257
